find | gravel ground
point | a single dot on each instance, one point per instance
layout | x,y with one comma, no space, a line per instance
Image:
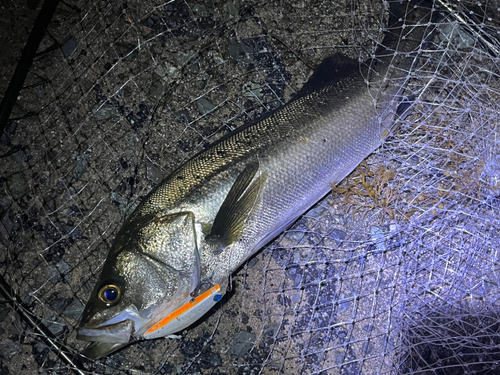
135,89
16,20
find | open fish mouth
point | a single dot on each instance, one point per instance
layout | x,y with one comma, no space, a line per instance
118,333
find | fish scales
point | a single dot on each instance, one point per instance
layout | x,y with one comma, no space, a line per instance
209,216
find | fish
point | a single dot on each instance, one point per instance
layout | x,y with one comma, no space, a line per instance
171,260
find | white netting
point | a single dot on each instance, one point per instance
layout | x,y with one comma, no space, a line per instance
395,272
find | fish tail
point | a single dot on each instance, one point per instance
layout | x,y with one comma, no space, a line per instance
409,21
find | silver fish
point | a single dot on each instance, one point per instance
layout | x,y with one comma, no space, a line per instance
171,260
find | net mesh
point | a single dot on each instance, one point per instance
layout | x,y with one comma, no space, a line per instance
395,272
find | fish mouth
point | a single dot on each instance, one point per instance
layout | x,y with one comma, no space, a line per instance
118,333
98,350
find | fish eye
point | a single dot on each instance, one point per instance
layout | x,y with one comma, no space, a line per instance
109,293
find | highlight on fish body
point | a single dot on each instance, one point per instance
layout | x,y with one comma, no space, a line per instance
171,261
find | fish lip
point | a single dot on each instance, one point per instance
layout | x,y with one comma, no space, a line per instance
118,333
98,350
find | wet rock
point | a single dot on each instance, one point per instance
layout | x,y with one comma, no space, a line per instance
309,239
252,262
200,10
210,361
57,303
103,112
339,357
232,9
120,201
127,92
295,273
242,51
4,311
244,318
216,56
9,349
8,134
54,324
6,225
157,87
342,334
122,163
204,106
40,353
138,118
73,232
453,34
271,329
317,211
202,83
18,185
56,245
63,268
378,237
52,274
154,173
252,90
167,368
214,360
23,154
339,219
294,235
343,305
193,67
81,163
338,236
367,348
40,90
68,47
183,116
242,343
280,255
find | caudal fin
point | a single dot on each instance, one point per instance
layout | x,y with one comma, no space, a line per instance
409,22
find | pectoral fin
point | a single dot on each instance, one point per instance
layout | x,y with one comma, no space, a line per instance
228,223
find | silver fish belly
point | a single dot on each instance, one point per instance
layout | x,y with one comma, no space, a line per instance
171,260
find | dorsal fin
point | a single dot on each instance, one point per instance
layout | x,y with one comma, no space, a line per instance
332,70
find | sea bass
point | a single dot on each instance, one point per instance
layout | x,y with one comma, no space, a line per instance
171,260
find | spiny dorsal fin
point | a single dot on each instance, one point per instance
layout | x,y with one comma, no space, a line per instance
332,70
228,223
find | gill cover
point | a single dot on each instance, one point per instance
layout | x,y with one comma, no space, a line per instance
152,269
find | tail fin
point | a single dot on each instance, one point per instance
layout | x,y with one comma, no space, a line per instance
409,21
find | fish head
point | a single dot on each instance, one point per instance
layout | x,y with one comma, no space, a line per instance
151,270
